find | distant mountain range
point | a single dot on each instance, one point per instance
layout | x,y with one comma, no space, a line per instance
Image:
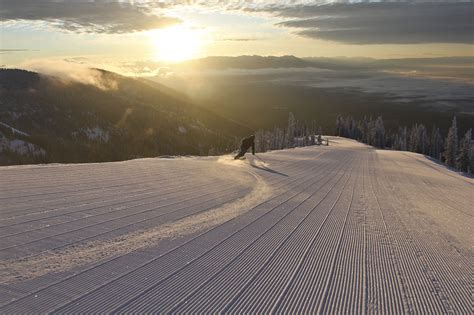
112,117
246,62
261,91
463,66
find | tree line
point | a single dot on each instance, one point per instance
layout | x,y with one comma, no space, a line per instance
296,134
453,151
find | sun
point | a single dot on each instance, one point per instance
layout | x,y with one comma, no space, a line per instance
178,43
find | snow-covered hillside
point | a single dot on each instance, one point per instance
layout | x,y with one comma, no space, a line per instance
337,229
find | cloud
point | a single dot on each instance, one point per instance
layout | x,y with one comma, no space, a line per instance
69,72
15,50
380,22
242,39
99,16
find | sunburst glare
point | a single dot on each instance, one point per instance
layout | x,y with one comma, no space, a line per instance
178,43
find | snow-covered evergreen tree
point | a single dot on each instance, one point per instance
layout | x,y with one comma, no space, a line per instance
278,139
339,126
290,131
403,139
398,139
379,131
424,140
464,159
451,144
260,141
471,158
413,139
365,130
307,136
418,140
436,143
371,132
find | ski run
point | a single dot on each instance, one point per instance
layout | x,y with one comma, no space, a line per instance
330,229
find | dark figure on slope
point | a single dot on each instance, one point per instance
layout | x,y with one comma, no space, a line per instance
246,144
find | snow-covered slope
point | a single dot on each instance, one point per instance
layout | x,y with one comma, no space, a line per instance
336,229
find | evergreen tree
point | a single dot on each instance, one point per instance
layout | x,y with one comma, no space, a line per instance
464,159
279,138
260,141
360,131
365,130
371,132
413,139
436,143
471,158
319,140
379,133
290,136
339,125
307,136
424,140
403,139
451,144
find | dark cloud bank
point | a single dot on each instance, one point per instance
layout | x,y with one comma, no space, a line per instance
354,23
382,22
86,16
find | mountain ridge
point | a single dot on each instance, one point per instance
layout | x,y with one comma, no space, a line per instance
105,117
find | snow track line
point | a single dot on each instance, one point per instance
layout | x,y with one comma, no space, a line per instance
189,242
421,288
446,239
434,186
323,301
345,291
301,290
108,220
403,298
304,255
440,169
119,218
100,214
167,195
75,185
439,273
429,189
118,310
151,190
116,258
40,260
184,300
412,275
383,291
94,177
112,188
238,302
120,171
365,296
426,192
166,192
97,194
103,189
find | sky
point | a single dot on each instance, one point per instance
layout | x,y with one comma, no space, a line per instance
173,31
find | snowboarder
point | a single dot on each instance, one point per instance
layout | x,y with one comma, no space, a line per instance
245,145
